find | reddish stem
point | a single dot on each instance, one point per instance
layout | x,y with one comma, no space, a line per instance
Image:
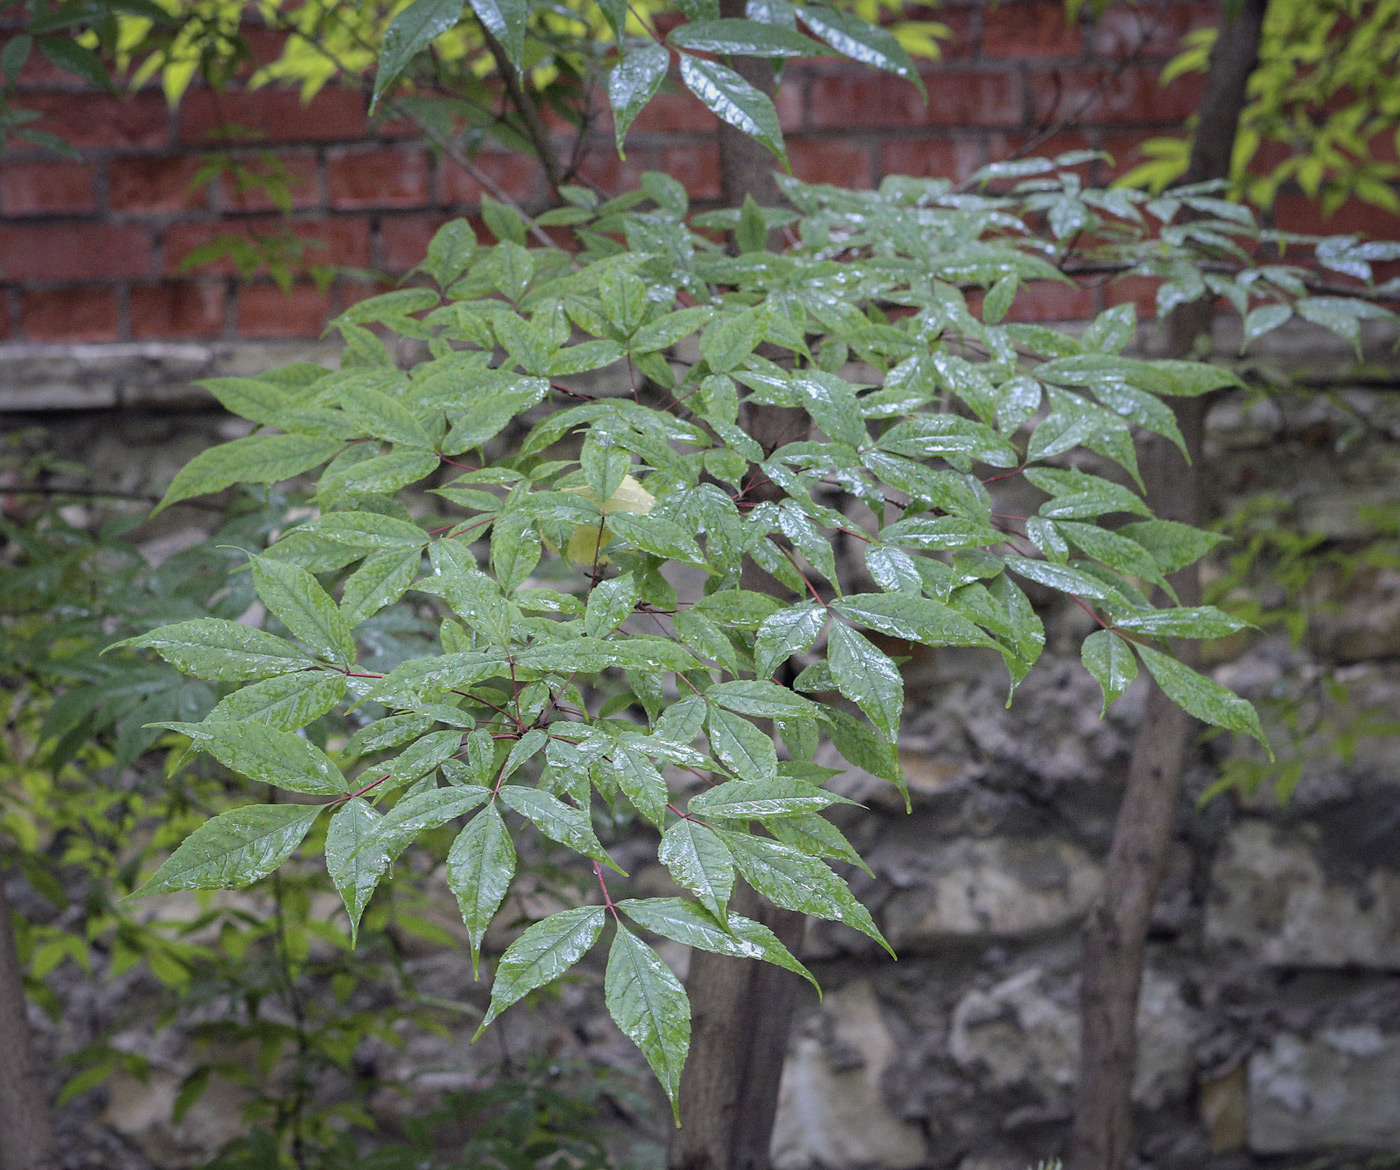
607,897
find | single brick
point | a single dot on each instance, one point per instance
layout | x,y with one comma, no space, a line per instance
138,121
176,309
931,158
1044,300
404,239
1131,31
264,310
839,161
518,175
74,251
1133,290
277,115
301,173
956,98
614,175
1001,147
342,240
358,178
46,188
1295,212
1132,96
675,111
70,314
1037,28
695,166
155,184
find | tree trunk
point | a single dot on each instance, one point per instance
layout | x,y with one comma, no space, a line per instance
1115,935
26,1137
741,1009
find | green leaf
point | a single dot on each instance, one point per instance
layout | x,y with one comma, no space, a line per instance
726,344
668,330
918,619
505,20
866,676
1262,320
794,881
1110,660
422,758
831,401
556,820
1118,552
1173,545
234,849
927,435
379,475
480,866
381,579
543,953
862,746
14,55
411,31
590,655
220,650
1204,698
777,796
861,41
284,702
297,600
785,633
683,921
265,754
388,732
451,250
634,82
421,680
367,531
1201,621
700,862
354,866
1063,578
760,699
744,38
1077,495
740,746
650,1006
373,412
641,783
254,459
77,59
610,603
422,811
733,100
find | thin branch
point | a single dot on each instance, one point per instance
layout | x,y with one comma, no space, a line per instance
525,106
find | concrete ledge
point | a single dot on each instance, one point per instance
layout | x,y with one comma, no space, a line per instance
151,375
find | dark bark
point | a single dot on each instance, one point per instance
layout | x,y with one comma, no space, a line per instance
746,165
1115,935
741,1010
26,1136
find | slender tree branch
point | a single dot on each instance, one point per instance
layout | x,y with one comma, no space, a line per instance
526,108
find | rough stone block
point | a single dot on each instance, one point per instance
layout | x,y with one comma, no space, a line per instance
996,888
831,1109
1270,895
1339,1088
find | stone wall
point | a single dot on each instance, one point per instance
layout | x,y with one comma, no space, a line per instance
1270,1020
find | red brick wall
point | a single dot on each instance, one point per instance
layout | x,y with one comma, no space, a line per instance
92,251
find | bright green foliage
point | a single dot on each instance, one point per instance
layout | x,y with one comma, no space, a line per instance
604,648
554,50
1326,91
